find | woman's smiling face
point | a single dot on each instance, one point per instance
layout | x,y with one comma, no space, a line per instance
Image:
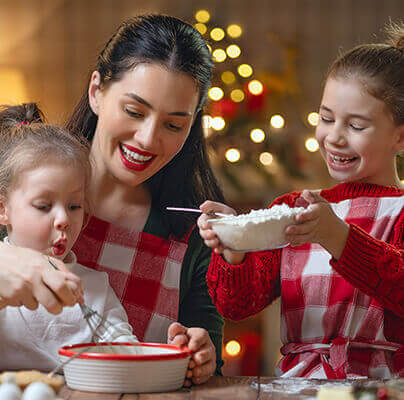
356,133
143,121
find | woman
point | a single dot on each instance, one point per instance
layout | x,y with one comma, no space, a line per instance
142,115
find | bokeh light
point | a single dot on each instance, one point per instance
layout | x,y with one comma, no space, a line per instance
277,121
217,34
233,348
232,155
245,70
255,87
202,16
201,28
215,93
218,123
313,118
257,135
237,95
228,77
311,145
234,30
219,55
266,158
233,51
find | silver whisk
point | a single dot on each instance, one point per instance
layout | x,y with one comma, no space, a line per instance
101,329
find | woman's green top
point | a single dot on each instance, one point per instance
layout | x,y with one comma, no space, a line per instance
195,305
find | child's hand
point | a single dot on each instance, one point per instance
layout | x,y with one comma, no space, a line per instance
203,361
318,224
27,279
209,236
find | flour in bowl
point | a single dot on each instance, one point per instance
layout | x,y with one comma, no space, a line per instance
257,230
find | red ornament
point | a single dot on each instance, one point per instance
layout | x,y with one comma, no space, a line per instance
254,102
225,108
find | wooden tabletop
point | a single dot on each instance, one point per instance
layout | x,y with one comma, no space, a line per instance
223,388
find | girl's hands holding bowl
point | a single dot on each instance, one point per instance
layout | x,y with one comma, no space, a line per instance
318,224
209,208
203,361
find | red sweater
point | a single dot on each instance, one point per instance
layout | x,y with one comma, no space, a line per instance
373,266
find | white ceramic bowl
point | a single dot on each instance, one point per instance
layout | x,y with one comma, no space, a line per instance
110,367
257,230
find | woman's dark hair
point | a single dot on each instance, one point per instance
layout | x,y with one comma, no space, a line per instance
187,180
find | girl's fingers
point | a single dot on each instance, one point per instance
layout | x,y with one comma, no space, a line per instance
63,289
301,229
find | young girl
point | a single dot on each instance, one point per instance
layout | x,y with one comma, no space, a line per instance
44,171
341,281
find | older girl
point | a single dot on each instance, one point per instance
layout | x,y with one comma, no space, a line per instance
342,281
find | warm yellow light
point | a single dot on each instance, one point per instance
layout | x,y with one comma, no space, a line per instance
219,55
206,125
228,77
257,135
277,121
201,28
233,51
206,121
232,155
215,93
218,123
266,158
233,348
311,145
237,95
245,70
255,87
234,30
12,86
202,16
209,47
217,34
313,118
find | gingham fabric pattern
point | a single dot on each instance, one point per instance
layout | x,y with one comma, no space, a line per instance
325,321
144,271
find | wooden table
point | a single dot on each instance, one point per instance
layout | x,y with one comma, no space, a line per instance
223,388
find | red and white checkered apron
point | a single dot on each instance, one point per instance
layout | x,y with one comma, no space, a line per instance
329,328
144,270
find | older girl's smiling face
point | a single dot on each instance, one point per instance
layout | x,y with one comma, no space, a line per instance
143,121
357,135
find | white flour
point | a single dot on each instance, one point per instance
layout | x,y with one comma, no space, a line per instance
257,230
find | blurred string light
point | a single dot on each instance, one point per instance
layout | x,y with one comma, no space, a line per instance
237,95
311,145
219,55
233,51
232,155
218,123
206,121
209,47
277,121
206,125
313,118
202,16
245,70
255,87
215,93
233,348
217,34
228,77
201,28
266,158
234,31
257,135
